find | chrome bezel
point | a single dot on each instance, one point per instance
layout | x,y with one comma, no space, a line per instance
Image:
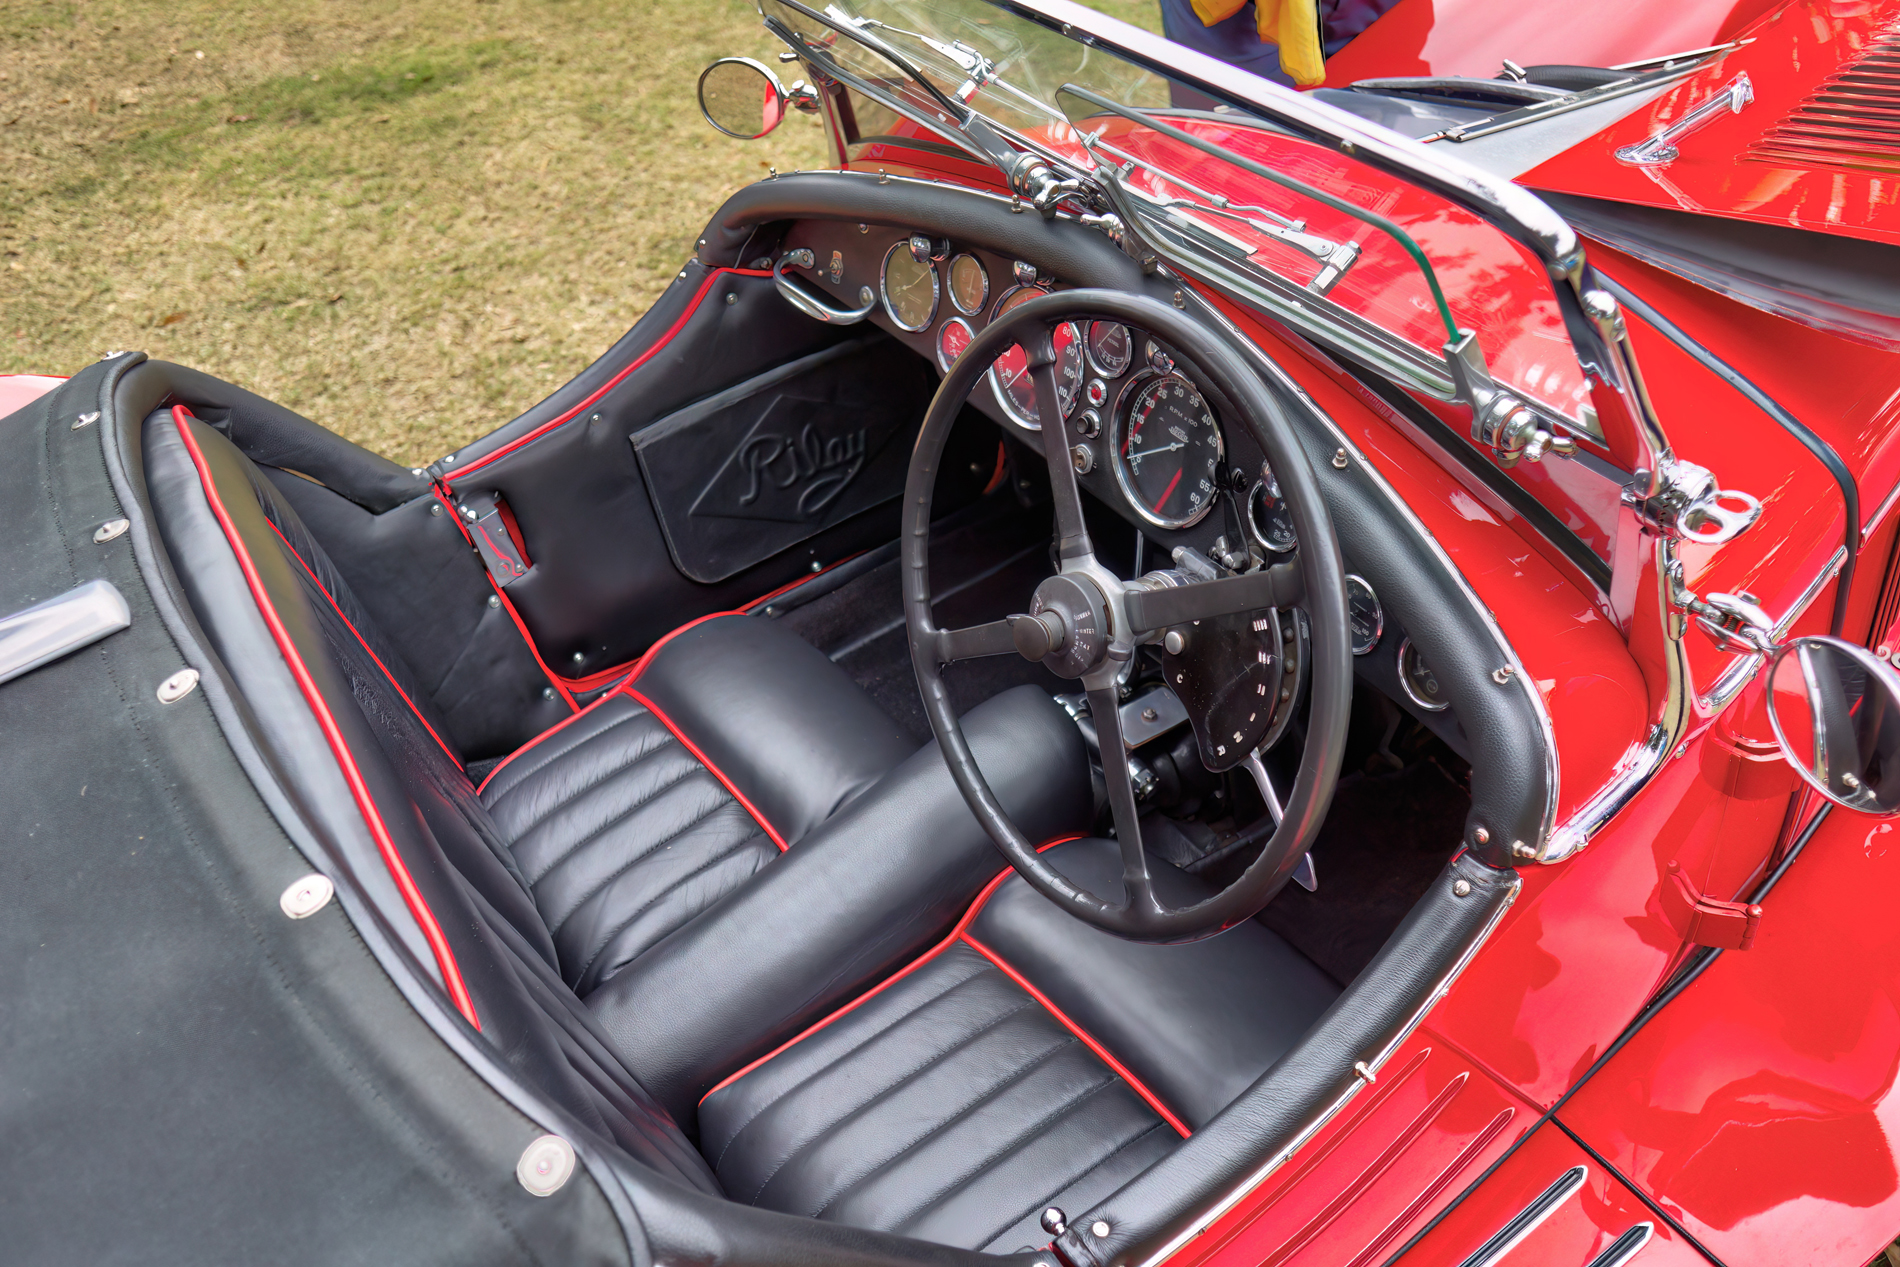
949,281
884,289
1002,395
1095,362
1378,615
1253,529
968,329
1125,409
1405,682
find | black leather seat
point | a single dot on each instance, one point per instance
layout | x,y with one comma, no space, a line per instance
831,1030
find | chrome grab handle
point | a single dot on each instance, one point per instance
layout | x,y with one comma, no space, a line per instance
1661,148
799,296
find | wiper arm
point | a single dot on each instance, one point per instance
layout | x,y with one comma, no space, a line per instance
980,71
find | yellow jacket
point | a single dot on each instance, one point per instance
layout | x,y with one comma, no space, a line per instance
1292,24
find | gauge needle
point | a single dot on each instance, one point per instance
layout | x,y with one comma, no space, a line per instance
1135,455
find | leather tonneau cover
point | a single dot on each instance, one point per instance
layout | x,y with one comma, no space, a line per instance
754,470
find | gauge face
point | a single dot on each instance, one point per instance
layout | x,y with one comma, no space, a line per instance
1009,375
1363,611
1111,348
969,285
1420,683
910,288
1268,516
1169,450
952,340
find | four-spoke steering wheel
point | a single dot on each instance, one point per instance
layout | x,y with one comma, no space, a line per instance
1086,622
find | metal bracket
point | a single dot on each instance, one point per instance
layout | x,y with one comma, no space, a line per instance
1661,148
1689,506
1704,920
813,306
1511,429
1735,622
492,541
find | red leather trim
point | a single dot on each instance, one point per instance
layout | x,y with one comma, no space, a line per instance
553,680
333,734
962,933
449,477
717,773
289,549
514,530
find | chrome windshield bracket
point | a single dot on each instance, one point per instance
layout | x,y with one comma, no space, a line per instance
1687,504
1661,148
1500,421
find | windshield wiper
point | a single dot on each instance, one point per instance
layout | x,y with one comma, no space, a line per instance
980,71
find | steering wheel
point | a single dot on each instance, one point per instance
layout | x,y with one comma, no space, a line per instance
1085,621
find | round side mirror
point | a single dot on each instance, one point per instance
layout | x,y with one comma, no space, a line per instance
1835,708
741,97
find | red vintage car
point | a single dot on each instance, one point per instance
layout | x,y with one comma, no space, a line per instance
1403,573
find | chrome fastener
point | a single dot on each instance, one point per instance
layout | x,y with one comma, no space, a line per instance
1503,675
109,529
177,686
545,1165
307,896
1054,1221
494,600
1339,459
1100,1229
1362,1071
1461,888
86,419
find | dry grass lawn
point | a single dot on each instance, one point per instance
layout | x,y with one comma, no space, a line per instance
408,222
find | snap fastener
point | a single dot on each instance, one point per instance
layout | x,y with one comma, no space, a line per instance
1461,889
307,896
86,419
177,686
545,1165
109,529
1339,459
1099,1229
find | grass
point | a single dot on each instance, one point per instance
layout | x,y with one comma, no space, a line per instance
408,223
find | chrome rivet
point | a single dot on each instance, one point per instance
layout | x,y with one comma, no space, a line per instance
1339,459
436,510
1521,850
307,896
545,1165
1054,1221
1461,889
86,420
449,460
1180,300
107,356
580,657
494,600
1503,675
1099,1229
816,566
596,418
547,692
1481,836
731,299
177,686
864,228
864,295
1174,642
1883,651
1362,1071
109,529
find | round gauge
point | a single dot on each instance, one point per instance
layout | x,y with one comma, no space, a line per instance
1111,348
910,288
1168,453
952,339
1363,610
1419,682
1010,377
969,285
1267,514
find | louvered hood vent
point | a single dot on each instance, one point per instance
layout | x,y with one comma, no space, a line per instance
1852,120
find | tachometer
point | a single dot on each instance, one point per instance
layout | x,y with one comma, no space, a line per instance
1267,515
969,285
910,288
1111,348
1168,451
1009,375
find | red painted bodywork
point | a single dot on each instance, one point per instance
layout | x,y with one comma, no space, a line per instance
17,391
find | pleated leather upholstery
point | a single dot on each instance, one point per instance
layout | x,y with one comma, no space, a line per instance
949,1106
622,834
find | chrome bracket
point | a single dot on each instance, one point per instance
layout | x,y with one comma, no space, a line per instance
1688,505
1736,622
1032,178
809,303
1500,421
1661,147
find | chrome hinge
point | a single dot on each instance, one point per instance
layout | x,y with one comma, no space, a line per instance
1500,421
1704,920
1688,505
1032,178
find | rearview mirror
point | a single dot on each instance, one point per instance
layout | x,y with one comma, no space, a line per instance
1835,708
741,98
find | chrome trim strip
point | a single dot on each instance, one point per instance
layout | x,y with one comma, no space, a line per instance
1260,1174
1625,1247
1526,1221
1522,679
1635,769
61,625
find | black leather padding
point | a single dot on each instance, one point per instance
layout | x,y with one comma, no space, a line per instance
1198,1023
863,895
622,835
791,731
950,1106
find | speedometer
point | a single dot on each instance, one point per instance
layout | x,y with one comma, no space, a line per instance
1009,373
1168,452
910,288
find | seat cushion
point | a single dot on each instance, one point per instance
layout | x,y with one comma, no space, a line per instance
950,1106
732,740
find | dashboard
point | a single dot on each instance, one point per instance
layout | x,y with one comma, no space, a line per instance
1146,434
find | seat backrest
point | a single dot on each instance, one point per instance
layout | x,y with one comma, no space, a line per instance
357,748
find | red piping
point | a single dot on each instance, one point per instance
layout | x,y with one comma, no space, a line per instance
346,761
615,381
291,550
717,773
962,933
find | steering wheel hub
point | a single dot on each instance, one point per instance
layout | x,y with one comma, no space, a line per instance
1077,607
